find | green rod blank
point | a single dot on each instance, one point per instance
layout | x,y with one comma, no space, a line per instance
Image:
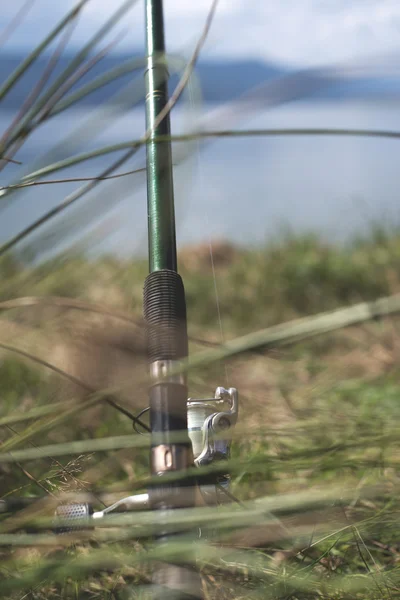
160,190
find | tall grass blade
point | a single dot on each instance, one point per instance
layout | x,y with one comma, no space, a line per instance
18,73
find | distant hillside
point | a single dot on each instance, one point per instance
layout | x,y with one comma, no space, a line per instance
221,81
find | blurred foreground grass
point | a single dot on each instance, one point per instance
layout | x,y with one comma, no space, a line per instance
315,460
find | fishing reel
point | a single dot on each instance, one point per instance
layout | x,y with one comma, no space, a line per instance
208,418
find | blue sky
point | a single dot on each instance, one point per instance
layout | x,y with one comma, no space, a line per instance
302,32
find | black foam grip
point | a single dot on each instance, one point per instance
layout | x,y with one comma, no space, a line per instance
165,314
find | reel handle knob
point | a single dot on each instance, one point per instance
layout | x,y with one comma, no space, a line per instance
73,517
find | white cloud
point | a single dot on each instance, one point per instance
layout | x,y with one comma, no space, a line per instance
294,31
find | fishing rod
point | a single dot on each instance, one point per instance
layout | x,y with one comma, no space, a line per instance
164,303
197,421
184,432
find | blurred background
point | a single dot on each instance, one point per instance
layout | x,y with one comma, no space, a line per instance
243,190
270,228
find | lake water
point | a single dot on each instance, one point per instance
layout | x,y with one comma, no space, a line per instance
245,189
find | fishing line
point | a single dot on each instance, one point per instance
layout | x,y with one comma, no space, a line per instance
211,252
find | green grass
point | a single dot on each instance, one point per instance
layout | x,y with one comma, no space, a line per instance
321,417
